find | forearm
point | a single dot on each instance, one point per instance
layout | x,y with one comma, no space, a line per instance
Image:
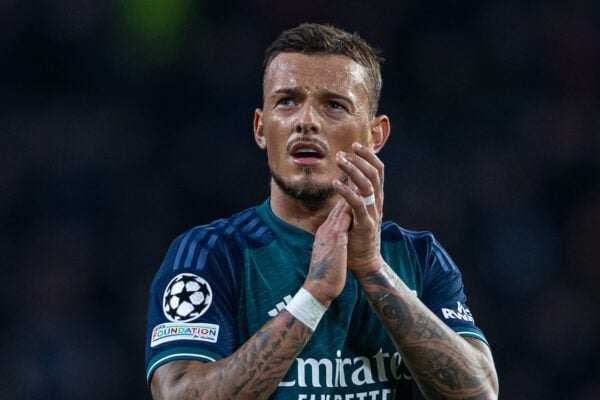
443,364
252,372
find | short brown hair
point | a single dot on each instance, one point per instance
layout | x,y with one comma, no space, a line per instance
327,39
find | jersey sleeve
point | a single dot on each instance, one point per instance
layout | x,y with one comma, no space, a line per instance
192,304
444,294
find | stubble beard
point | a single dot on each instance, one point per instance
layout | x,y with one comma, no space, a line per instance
307,190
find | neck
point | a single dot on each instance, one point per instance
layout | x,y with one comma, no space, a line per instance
307,216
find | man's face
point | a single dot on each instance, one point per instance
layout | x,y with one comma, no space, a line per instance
314,106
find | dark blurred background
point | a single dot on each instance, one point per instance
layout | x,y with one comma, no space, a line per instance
125,123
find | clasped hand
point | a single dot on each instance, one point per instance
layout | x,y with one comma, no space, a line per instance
351,235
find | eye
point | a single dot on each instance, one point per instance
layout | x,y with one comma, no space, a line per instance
285,101
334,105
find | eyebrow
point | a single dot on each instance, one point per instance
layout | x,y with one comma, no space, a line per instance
322,93
290,91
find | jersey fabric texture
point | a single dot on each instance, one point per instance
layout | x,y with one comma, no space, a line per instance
220,283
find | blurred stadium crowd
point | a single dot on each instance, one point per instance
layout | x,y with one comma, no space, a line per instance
122,124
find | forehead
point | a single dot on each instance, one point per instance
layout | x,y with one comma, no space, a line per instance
315,72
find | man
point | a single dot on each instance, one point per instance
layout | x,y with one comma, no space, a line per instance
309,295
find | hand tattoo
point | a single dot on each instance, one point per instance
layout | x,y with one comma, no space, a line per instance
321,267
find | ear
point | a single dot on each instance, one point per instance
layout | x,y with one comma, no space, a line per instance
380,131
259,134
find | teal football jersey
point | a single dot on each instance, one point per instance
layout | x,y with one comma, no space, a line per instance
222,282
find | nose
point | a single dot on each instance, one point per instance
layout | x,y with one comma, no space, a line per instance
308,120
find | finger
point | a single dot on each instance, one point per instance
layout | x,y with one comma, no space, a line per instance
371,158
368,201
366,168
349,164
353,198
340,215
335,211
368,156
345,217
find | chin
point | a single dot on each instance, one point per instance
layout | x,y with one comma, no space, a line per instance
306,189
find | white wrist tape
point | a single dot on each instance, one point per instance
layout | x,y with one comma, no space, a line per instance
305,308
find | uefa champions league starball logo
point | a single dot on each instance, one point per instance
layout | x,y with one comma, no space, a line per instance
186,298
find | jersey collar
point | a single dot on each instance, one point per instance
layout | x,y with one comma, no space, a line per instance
289,232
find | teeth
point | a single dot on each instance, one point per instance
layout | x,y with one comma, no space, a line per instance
306,151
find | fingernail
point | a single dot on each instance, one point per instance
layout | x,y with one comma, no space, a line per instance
357,145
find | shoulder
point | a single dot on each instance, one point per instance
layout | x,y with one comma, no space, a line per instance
392,232
221,240
422,244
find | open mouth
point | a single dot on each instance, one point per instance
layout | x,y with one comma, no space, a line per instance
306,153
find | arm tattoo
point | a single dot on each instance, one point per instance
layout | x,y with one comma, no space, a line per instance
443,364
252,372
261,363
